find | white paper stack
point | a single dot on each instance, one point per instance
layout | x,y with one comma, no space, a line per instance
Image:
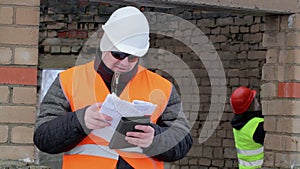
116,108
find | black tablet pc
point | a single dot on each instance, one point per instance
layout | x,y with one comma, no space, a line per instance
125,125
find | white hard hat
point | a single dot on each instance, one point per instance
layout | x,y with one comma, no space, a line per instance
127,30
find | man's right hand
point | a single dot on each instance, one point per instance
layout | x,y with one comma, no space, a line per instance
94,119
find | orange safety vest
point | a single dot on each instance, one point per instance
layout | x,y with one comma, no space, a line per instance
83,86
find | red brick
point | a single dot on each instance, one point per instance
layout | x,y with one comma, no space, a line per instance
82,34
289,89
72,34
62,34
16,75
83,2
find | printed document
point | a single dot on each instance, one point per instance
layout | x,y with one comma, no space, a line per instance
116,108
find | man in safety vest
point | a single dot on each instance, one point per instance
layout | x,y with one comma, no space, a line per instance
69,111
248,128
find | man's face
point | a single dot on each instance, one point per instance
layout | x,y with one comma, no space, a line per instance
116,62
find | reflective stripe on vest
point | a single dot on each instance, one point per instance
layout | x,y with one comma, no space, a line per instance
250,154
251,164
94,150
83,86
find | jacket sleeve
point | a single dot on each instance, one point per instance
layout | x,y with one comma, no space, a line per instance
57,128
172,139
259,134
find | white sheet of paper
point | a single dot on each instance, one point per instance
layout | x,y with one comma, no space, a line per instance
116,108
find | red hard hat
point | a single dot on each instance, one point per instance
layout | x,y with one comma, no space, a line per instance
241,99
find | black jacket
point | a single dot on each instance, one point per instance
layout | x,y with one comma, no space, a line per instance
58,129
239,120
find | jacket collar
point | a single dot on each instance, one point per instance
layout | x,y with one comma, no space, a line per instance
239,120
107,74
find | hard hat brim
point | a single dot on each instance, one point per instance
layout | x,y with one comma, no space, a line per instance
107,45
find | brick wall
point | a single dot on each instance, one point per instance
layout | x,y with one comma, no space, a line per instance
241,41
281,92
19,31
237,39
64,29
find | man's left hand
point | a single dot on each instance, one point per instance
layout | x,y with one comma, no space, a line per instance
142,139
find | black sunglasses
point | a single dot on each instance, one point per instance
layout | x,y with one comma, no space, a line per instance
121,56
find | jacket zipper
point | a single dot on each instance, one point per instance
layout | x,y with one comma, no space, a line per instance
116,82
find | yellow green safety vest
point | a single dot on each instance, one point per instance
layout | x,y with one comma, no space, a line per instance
250,154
